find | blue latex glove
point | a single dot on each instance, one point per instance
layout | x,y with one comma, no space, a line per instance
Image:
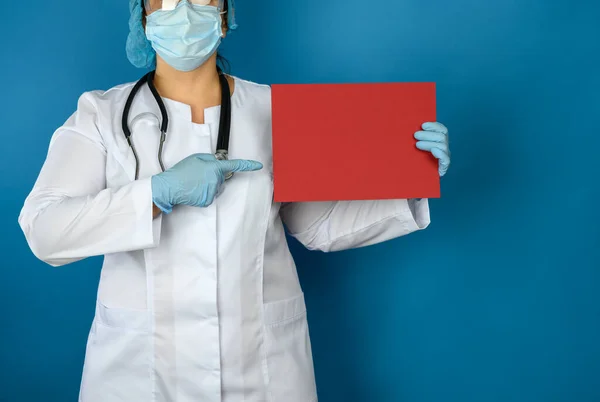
434,139
195,181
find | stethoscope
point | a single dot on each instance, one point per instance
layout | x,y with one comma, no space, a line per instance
224,121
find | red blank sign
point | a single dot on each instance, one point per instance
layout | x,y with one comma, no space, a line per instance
352,142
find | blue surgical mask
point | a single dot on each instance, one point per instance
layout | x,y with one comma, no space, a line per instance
187,36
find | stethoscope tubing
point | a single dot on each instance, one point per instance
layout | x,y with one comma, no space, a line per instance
224,120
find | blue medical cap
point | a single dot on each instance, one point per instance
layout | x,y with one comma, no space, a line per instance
231,24
139,49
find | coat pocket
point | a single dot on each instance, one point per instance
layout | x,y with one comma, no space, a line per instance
125,318
118,357
289,355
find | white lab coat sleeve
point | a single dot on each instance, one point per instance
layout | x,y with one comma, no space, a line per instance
70,214
342,225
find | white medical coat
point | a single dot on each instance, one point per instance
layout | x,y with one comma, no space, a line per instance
203,304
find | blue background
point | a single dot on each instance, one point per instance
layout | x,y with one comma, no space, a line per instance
498,300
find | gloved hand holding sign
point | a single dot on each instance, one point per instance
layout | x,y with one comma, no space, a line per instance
434,139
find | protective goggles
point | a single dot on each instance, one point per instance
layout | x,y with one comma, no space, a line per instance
224,6
165,5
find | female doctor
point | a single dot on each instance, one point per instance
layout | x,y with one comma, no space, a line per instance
199,298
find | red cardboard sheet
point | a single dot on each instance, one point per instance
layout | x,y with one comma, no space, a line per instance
352,142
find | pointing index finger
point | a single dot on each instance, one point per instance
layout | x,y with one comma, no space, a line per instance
240,165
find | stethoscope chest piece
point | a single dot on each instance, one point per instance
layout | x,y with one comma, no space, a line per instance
222,155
